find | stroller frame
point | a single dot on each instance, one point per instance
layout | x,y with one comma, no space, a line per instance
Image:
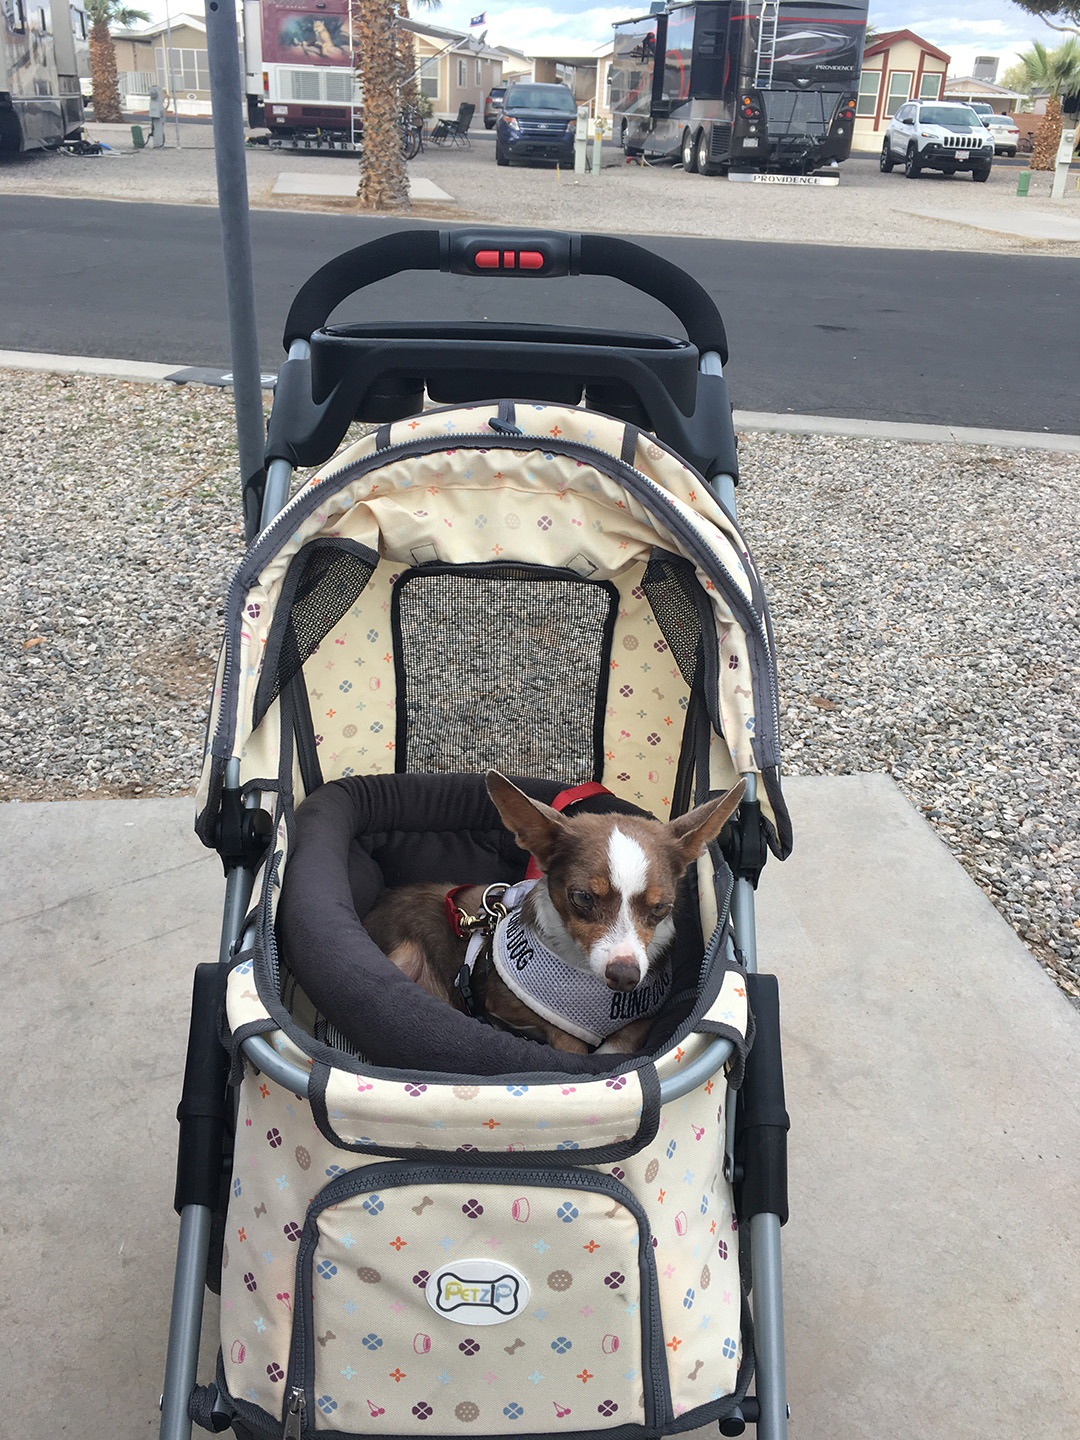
332,375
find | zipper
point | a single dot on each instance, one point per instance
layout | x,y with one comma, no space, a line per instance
294,1414
308,499
405,1173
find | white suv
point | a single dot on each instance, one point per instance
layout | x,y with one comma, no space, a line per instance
937,135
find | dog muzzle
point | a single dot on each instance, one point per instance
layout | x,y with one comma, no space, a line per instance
574,1000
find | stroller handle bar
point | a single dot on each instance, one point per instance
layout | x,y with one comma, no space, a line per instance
294,1079
521,254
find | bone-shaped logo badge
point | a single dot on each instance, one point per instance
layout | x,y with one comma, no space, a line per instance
477,1291
499,1294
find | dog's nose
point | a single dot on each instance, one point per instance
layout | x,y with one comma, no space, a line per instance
622,973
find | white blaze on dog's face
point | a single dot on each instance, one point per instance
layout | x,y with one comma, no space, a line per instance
611,879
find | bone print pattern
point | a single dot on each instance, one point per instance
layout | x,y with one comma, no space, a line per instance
380,1249
485,504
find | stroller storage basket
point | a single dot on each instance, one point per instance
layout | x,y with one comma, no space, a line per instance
468,1294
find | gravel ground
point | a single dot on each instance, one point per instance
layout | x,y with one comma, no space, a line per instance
867,208
924,597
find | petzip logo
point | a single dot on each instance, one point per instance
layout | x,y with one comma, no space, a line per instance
477,1292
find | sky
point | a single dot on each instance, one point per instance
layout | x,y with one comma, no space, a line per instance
962,28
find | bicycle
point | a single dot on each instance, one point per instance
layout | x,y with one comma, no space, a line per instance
411,124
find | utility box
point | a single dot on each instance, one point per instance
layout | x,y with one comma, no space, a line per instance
581,140
1062,162
157,118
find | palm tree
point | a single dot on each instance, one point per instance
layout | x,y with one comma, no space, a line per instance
1057,71
104,13
382,68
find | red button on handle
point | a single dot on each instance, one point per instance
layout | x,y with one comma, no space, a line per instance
487,259
531,260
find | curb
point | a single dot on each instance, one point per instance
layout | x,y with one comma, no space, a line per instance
748,422
751,422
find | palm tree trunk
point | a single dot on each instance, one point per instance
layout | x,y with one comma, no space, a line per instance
410,90
382,166
103,75
1047,136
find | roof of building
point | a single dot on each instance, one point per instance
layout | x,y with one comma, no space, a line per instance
881,43
454,40
968,85
160,27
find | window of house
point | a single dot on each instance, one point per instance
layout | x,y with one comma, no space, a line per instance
189,69
899,90
429,77
479,77
869,88
462,74
930,85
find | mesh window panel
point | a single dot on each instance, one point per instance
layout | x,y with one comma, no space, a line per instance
670,587
324,580
506,669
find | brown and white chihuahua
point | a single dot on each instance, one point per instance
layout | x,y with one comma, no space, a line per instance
603,908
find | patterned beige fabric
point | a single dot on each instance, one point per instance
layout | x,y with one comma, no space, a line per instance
623,1263
471,505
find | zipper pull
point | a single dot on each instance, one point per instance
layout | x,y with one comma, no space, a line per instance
294,1414
505,427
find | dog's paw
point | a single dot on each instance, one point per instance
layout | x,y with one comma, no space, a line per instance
627,1041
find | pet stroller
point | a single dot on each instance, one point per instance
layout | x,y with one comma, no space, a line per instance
420,1224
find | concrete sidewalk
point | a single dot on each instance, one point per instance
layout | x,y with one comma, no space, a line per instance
931,1270
1032,224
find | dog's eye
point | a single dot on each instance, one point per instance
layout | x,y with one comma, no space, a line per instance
659,912
582,901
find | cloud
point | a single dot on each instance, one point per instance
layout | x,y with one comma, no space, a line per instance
953,25
560,25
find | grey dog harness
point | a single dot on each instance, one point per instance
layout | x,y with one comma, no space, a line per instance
574,1000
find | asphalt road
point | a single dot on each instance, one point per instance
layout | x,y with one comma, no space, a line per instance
901,335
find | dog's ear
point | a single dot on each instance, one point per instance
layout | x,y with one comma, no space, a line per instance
536,827
694,830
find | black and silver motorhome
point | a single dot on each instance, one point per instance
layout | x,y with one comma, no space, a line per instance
731,85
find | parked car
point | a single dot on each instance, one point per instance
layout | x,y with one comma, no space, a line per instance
1006,133
538,122
982,108
937,135
493,103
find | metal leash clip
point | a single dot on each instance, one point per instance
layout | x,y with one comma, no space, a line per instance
494,909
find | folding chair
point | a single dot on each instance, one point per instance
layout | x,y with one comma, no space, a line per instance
456,131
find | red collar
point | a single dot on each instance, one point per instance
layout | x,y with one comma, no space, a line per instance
563,801
453,914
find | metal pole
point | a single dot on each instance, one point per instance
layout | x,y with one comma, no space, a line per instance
226,98
768,1296
182,1362
172,76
